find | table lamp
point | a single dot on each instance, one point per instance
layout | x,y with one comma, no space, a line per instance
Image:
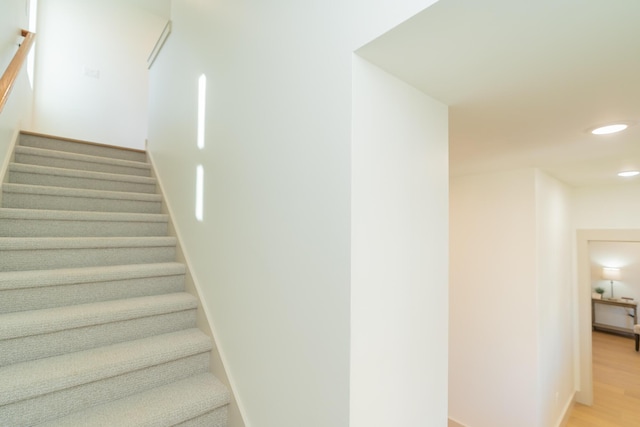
611,274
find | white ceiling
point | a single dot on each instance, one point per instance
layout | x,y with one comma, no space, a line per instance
525,80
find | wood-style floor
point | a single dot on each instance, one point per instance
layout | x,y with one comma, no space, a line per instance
616,385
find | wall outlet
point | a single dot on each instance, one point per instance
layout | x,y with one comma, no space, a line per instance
94,73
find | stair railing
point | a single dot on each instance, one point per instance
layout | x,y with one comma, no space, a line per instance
11,73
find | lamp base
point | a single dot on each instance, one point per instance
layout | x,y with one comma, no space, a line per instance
612,290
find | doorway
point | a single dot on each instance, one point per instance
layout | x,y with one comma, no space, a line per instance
584,394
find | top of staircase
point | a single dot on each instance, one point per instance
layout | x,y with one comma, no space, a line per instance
50,142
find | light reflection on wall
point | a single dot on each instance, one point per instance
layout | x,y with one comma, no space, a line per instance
202,104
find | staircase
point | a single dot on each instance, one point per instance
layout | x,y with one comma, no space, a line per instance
95,326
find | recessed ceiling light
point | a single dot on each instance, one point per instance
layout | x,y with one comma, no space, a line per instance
604,130
629,173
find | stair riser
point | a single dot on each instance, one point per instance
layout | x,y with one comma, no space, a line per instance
33,201
53,344
13,300
73,147
49,259
30,159
75,182
59,228
57,404
217,418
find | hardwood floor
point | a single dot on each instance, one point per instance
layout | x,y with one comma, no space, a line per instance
616,385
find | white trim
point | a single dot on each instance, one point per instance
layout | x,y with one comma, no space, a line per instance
566,413
9,156
4,168
158,46
584,394
198,289
454,423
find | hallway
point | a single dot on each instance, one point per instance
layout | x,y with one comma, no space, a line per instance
616,381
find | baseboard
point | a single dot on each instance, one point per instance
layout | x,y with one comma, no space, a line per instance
4,168
10,154
453,423
218,360
568,407
566,414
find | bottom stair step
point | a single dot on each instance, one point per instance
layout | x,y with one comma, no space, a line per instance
200,399
45,389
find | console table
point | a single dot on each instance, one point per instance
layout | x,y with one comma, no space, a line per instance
602,327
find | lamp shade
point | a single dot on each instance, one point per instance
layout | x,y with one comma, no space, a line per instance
609,273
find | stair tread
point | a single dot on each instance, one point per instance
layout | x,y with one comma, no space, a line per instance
29,379
79,192
166,405
66,276
56,143
47,214
45,243
43,152
82,174
36,322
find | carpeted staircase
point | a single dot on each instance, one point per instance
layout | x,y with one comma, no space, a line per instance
95,326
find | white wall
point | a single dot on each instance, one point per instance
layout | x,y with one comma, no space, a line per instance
12,20
493,345
399,246
272,253
113,38
610,206
511,292
16,114
555,299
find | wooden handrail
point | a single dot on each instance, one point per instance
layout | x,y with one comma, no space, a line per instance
9,77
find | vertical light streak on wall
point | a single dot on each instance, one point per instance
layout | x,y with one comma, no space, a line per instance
200,193
33,13
202,104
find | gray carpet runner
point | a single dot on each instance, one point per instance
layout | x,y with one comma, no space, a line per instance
95,326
